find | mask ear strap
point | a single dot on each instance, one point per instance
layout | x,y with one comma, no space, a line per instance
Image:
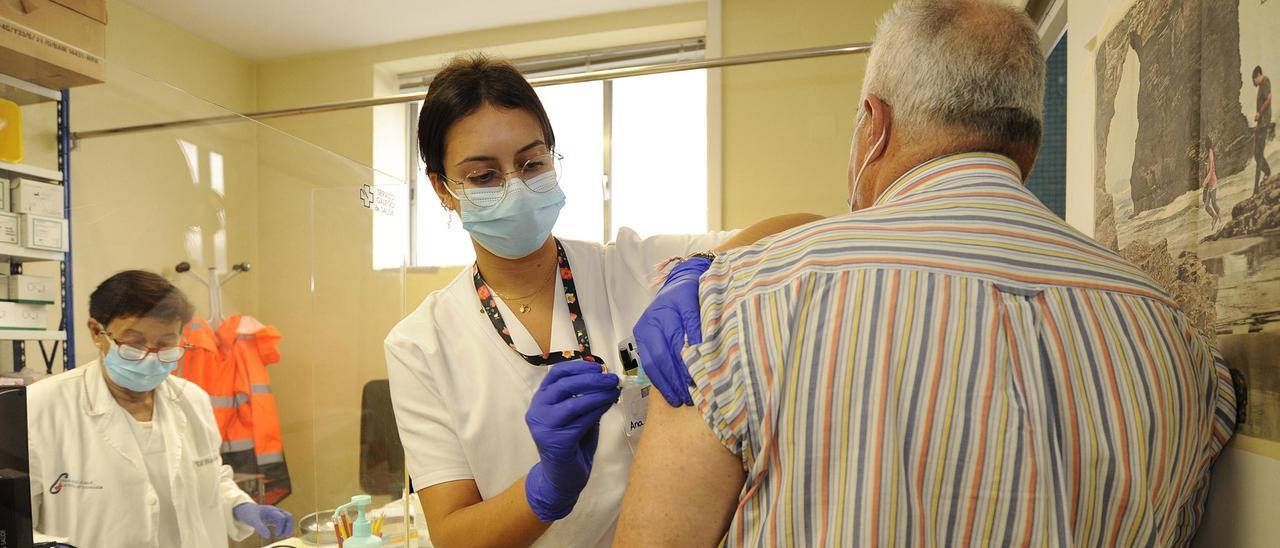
870,153
857,179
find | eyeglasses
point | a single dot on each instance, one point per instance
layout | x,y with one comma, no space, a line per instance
137,353
488,187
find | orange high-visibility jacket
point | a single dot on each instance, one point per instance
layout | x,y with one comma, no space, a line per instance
231,365
203,365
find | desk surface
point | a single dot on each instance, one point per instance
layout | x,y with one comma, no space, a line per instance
298,542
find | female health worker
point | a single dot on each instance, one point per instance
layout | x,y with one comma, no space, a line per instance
504,382
122,453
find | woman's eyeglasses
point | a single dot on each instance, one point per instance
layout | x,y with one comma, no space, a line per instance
488,187
136,352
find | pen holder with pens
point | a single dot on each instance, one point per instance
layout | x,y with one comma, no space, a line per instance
360,533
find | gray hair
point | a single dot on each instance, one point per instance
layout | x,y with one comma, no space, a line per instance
971,65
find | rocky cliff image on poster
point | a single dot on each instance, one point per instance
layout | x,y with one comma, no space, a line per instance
1183,148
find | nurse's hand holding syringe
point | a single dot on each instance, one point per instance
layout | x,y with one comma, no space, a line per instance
564,419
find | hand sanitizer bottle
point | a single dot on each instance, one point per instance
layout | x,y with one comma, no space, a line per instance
361,530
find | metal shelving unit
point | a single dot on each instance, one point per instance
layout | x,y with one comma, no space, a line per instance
33,335
31,171
19,254
26,93
64,269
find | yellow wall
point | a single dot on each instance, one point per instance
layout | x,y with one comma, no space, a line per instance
1246,481
155,48
787,126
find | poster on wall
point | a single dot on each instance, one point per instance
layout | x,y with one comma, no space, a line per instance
1187,171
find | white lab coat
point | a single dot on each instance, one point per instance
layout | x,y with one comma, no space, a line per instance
89,482
460,393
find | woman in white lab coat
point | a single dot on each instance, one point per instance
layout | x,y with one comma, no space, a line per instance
124,454
509,425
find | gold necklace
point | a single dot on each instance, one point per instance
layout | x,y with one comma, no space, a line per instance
524,307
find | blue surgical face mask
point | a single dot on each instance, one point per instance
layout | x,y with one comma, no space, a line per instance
519,224
143,376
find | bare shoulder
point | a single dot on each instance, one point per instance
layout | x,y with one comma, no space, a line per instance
684,483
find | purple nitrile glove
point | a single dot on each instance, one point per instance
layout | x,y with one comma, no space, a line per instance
671,319
564,419
259,516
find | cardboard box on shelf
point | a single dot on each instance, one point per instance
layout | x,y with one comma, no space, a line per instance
4,289
59,22
26,317
10,229
44,233
32,289
50,44
93,9
5,206
36,197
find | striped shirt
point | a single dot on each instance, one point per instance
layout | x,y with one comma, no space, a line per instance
956,366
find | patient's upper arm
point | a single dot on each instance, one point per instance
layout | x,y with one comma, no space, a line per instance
684,483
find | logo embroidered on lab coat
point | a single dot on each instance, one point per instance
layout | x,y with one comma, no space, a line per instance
64,481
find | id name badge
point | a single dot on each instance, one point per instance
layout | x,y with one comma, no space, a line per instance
635,409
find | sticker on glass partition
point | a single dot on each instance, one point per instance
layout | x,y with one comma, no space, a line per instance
377,199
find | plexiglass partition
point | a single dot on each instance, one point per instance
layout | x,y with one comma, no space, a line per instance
291,330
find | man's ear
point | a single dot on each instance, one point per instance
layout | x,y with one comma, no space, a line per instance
879,125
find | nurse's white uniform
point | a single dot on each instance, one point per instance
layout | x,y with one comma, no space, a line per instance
89,478
460,393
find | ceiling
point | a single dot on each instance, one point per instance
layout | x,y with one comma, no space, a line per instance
277,29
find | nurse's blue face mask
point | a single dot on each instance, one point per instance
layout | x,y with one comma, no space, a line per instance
139,375
512,219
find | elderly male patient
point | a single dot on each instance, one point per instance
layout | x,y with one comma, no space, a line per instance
949,364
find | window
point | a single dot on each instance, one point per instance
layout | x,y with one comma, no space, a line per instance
635,154
577,116
660,154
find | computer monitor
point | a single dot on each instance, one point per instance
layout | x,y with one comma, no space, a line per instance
15,485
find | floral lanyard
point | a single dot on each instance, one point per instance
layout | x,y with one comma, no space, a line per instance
575,314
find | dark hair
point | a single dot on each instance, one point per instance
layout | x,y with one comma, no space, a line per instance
139,294
460,88
1257,71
